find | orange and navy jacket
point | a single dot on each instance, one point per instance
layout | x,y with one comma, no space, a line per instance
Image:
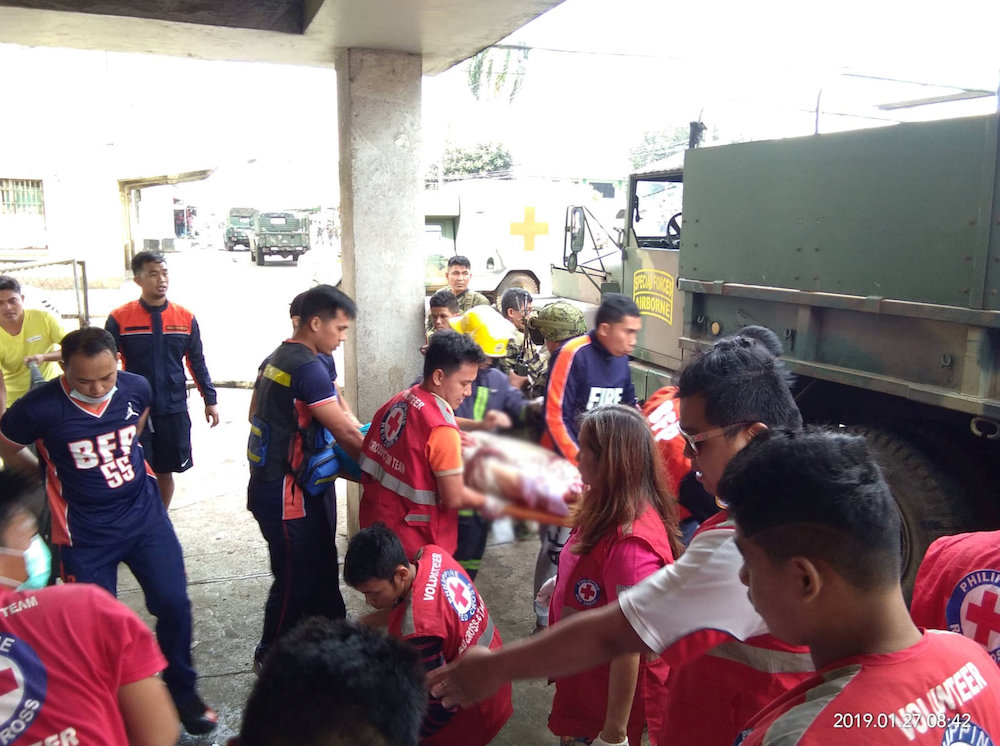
154,342
582,375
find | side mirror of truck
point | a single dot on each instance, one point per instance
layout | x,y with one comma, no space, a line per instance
577,223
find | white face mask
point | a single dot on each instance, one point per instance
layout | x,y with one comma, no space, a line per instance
93,399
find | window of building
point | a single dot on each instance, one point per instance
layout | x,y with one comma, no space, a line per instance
21,197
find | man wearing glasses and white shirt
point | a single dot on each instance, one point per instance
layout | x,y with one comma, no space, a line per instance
694,612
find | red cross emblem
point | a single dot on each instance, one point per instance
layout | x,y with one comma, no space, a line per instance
392,424
460,593
986,617
8,681
587,592
395,422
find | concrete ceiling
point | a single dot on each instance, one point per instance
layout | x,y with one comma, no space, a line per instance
302,32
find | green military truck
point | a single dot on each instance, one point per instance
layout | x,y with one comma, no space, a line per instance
874,254
240,228
283,234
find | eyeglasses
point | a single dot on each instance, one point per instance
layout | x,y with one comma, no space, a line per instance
693,440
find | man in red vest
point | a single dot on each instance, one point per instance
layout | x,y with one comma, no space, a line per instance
411,461
431,603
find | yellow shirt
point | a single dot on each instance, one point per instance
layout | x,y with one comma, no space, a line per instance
40,333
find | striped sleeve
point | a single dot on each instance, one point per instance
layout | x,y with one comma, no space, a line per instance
560,401
431,653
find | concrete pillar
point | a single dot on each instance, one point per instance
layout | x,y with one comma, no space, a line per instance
378,103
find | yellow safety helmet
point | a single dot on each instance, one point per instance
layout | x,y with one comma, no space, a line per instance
487,327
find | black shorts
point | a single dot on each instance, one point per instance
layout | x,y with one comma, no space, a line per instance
166,441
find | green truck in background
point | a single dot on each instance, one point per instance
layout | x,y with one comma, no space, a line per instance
283,234
874,255
240,229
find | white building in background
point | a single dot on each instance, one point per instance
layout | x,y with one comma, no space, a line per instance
92,124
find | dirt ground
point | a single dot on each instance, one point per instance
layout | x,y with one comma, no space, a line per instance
228,579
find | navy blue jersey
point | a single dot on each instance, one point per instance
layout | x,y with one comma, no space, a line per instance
582,375
310,386
95,474
155,342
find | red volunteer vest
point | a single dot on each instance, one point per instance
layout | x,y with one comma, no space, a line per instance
726,682
444,603
399,487
581,701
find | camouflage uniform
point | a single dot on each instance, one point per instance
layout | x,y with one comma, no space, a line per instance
467,300
527,359
471,299
558,321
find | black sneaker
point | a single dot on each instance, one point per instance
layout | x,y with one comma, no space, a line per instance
197,717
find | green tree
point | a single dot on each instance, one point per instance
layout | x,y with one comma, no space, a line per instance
484,158
657,145
498,72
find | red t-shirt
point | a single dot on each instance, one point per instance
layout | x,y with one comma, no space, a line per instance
943,690
662,411
64,653
958,588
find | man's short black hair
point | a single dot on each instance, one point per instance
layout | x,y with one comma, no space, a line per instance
740,381
295,307
816,493
448,350
143,258
89,341
461,261
14,498
9,283
373,554
516,298
334,683
615,307
770,340
324,301
444,298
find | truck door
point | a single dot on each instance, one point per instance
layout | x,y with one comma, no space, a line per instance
652,258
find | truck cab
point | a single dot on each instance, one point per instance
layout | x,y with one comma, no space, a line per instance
875,257
283,234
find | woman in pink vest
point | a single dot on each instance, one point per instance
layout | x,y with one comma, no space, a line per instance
625,529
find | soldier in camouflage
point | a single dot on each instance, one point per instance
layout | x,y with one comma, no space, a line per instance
526,363
552,326
458,274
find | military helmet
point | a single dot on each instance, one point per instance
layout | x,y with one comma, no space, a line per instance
487,327
556,322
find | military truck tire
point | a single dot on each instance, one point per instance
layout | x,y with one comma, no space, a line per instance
259,254
518,280
930,505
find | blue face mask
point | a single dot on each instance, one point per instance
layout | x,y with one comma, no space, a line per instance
37,565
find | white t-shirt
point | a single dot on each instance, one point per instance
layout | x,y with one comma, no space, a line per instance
700,591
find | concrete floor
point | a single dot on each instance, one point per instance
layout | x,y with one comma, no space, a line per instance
228,579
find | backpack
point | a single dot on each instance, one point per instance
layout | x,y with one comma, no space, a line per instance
323,460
